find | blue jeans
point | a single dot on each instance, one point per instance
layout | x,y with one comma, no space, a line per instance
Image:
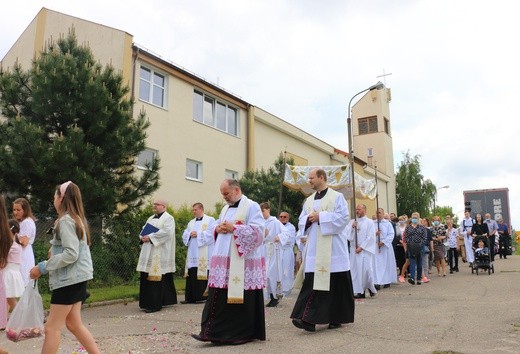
416,266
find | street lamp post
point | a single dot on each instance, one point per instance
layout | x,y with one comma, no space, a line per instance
435,198
377,86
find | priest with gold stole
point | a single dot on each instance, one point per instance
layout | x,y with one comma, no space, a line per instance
234,310
326,295
156,262
198,255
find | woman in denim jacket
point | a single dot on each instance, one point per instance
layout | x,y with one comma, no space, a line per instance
69,267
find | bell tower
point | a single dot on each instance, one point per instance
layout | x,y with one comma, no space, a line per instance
372,141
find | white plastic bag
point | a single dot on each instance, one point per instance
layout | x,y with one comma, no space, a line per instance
26,320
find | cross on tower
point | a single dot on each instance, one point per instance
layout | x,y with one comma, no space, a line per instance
384,75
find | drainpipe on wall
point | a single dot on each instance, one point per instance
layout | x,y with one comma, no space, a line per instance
136,54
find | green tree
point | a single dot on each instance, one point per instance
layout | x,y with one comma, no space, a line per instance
265,185
442,211
413,192
70,118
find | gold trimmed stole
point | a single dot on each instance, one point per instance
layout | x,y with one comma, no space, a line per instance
236,264
323,242
202,268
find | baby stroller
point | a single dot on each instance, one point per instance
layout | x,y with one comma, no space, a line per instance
482,257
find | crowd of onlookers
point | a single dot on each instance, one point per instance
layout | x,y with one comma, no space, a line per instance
439,244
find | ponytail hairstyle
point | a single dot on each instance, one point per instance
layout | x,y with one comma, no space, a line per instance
72,204
14,226
6,238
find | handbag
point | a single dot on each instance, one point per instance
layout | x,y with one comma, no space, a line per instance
26,320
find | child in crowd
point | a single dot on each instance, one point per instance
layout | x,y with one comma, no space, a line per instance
482,250
70,268
5,245
14,284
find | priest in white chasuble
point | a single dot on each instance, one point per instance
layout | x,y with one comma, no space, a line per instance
276,234
234,311
198,255
326,295
288,256
385,271
156,262
361,234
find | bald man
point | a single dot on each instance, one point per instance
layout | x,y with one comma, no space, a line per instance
157,260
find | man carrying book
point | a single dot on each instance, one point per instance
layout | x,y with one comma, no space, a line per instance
157,260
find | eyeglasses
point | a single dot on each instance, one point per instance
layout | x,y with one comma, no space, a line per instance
156,204
282,216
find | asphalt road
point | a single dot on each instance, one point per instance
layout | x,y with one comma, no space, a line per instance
463,312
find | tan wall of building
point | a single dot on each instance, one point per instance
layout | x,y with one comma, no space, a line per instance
273,136
109,45
177,137
173,133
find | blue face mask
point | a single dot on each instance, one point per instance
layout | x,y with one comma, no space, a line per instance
415,220
436,223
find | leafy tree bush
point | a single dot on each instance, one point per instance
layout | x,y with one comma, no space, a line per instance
69,118
265,186
413,192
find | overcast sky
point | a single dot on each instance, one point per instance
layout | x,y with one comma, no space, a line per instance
454,67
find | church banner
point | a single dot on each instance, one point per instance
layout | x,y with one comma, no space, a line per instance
338,178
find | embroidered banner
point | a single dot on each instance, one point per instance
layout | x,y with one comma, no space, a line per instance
338,178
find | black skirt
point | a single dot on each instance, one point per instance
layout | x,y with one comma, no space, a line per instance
322,307
153,295
194,288
228,323
69,295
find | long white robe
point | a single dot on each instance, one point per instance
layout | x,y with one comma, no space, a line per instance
274,259
194,244
384,257
465,230
162,243
332,224
362,264
288,259
248,237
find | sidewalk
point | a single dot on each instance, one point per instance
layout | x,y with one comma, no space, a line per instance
462,312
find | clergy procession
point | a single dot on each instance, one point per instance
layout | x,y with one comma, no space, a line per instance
248,260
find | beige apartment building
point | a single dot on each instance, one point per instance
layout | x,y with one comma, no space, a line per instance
201,132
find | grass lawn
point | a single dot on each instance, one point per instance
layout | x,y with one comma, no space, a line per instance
116,292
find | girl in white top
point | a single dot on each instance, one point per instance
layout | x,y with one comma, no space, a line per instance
22,212
13,281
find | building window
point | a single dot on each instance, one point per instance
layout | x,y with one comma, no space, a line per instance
231,174
152,87
194,170
367,125
387,126
145,159
216,114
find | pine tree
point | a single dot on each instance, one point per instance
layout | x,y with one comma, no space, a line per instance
264,186
70,118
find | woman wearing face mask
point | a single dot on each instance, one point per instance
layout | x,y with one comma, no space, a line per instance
438,236
427,250
415,235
